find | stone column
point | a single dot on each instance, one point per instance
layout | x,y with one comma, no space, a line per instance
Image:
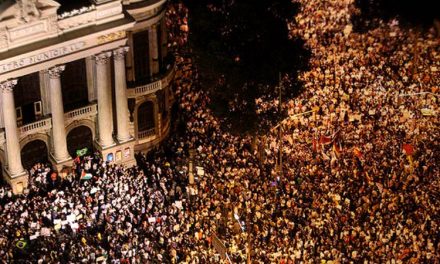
121,94
60,152
154,51
10,121
103,87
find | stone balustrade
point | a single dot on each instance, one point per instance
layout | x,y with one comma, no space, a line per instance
40,126
146,133
151,87
81,113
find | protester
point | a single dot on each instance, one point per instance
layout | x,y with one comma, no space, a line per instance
359,181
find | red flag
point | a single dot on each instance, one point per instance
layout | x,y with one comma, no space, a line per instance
357,152
315,145
408,149
325,140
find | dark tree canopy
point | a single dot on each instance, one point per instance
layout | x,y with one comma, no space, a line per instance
409,12
241,46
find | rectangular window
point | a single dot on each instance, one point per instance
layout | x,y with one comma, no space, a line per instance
19,113
74,82
37,108
141,56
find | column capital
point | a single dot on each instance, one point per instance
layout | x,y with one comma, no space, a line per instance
8,86
55,72
119,53
103,57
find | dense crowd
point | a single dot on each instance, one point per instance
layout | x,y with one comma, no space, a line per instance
347,191
365,163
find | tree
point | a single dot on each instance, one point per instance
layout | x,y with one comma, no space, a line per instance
241,46
410,13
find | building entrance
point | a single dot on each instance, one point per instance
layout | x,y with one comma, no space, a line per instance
79,138
33,152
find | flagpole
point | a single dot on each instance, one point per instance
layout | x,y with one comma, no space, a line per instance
280,159
291,117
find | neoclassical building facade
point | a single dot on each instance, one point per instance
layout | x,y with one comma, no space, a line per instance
92,74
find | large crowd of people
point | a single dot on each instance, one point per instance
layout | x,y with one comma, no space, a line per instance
358,182
365,162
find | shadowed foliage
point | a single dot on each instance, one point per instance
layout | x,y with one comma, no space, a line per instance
409,12
240,48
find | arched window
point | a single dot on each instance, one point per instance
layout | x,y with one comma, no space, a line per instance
145,116
79,138
33,152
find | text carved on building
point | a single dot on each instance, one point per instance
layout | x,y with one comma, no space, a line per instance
44,56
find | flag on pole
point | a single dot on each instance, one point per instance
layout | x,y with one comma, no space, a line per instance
408,149
81,152
336,150
325,140
357,152
86,176
315,145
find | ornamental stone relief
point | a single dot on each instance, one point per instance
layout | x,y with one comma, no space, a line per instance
103,58
119,54
3,39
111,37
28,10
8,86
55,72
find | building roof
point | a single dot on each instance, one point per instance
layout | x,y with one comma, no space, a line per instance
69,5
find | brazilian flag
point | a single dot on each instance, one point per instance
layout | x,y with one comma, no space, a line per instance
21,244
81,152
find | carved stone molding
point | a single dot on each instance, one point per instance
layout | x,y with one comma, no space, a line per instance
28,10
119,53
53,23
111,37
3,39
103,58
8,86
55,72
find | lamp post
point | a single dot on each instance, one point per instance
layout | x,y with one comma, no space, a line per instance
280,140
249,247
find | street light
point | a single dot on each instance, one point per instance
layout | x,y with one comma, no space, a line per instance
280,142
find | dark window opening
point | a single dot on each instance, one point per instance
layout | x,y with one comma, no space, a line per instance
74,85
146,116
26,95
141,56
79,138
34,152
